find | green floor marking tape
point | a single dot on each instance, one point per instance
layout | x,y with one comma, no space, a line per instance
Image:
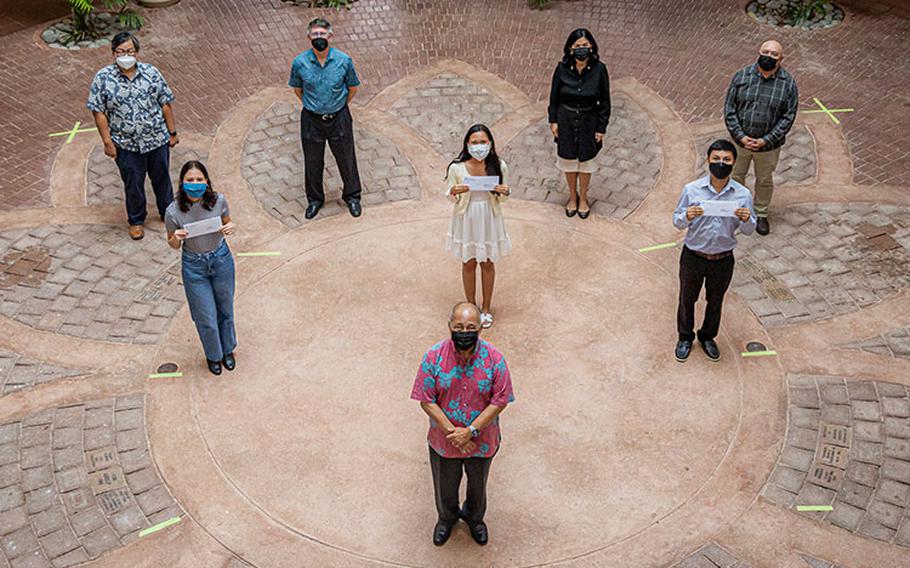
70,134
758,353
165,375
829,111
269,253
814,508
657,247
159,526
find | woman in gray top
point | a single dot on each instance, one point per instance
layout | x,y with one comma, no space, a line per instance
208,266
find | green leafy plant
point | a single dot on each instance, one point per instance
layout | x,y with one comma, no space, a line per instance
86,24
805,10
538,3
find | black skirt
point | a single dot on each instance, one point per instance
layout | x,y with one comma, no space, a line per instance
576,133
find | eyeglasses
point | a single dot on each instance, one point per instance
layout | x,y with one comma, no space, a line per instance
319,34
119,52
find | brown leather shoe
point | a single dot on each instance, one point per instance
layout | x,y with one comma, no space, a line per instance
136,232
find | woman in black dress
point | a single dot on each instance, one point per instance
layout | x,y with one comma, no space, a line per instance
579,111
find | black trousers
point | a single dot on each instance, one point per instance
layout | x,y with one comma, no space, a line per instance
693,272
447,480
339,132
134,166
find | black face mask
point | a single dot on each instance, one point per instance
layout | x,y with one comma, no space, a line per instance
766,62
319,43
720,170
465,340
581,53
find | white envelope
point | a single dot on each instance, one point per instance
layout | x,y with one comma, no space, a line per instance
719,208
481,183
204,227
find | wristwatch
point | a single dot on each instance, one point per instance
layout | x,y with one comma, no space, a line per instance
174,133
474,431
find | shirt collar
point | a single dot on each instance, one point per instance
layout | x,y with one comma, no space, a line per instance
706,183
119,72
757,71
328,57
470,360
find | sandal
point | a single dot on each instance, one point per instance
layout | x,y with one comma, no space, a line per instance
486,320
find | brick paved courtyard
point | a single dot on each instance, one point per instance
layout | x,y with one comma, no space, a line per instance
310,453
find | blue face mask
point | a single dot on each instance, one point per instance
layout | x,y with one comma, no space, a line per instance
195,190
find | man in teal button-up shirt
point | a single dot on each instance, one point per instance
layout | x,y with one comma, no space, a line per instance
324,80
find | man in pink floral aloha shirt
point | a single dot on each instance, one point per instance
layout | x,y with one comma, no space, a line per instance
463,385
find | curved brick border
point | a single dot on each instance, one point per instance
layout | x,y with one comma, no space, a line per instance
77,481
847,445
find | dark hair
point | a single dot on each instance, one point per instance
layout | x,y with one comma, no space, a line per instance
122,38
722,145
493,167
319,23
575,36
209,198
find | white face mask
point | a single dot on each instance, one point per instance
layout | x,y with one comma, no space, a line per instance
479,151
126,61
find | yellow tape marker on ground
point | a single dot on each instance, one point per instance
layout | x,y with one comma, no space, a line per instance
657,247
268,253
758,353
814,508
165,375
159,526
70,134
829,111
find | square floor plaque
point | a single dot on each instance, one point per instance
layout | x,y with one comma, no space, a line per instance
825,476
106,479
832,455
837,435
102,458
113,501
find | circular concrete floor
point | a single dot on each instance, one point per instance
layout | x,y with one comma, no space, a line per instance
607,436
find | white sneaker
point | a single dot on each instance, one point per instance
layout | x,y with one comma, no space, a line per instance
486,320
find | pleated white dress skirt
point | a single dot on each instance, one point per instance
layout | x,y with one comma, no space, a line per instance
478,234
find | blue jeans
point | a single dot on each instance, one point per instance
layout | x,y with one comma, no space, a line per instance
208,280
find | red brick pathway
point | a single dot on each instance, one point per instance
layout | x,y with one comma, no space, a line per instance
217,52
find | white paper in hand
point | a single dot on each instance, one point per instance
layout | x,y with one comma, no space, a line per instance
719,208
481,183
204,227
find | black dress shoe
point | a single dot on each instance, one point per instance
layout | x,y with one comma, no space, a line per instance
229,362
683,348
441,534
312,209
214,367
710,349
479,533
355,208
762,227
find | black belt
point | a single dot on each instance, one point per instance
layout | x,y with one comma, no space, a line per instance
324,117
706,256
577,109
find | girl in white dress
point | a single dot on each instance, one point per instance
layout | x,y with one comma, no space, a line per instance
478,232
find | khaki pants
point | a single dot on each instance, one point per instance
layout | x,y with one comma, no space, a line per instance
765,164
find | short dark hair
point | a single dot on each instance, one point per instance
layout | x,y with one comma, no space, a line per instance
722,145
575,36
122,38
319,23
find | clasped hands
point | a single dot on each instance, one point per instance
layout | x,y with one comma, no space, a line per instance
694,211
754,144
461,438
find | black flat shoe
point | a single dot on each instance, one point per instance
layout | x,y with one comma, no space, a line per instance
229,362
214,367
441,534
683,348
584,214
355,208
479,533
571,212
711,350
762,226
312,209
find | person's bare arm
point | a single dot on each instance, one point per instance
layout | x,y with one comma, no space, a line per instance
460,436
299,92
104,129
351,92
168,111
